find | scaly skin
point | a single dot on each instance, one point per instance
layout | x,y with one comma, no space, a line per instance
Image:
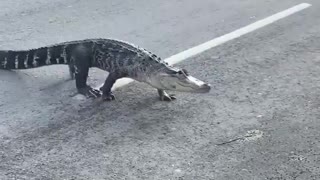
119,58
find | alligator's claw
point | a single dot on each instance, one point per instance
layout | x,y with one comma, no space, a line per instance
108,97
164,96
168,97
90,92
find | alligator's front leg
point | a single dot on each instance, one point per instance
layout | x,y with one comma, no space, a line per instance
164,96
107,95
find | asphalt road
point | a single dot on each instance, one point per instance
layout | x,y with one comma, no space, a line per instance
260,121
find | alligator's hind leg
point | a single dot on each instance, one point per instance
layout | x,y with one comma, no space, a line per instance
106,88
81,69
164,96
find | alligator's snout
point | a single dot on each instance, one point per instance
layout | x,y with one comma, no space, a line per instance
178,80
195,85
205,88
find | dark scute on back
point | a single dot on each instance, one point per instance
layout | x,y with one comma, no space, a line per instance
3,56
11,60
42,56
21,58
30,58
55,53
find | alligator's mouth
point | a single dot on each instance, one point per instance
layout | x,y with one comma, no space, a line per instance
194,85
178,81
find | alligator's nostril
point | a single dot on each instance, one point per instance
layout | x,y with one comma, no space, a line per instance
206,87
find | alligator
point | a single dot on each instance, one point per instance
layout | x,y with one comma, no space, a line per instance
119,58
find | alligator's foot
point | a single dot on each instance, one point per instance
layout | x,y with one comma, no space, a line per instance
168,97
108,96
89,92
164,96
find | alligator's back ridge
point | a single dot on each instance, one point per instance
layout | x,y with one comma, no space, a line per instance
60,53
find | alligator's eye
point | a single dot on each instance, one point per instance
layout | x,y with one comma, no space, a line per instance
183,71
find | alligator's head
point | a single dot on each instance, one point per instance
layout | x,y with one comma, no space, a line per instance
177,80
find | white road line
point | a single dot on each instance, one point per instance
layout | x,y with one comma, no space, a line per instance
223,39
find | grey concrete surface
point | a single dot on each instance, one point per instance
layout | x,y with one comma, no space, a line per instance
259,122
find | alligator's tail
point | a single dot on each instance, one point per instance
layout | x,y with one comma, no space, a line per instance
33,58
